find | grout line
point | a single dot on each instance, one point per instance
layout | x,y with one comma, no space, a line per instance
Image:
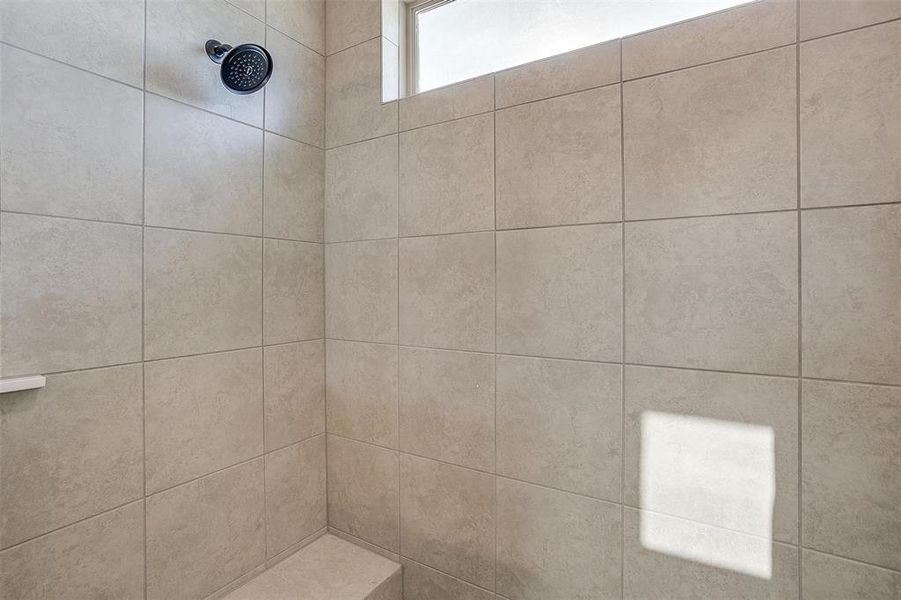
157,227
352,46
263,303
622,372
800,384
143,287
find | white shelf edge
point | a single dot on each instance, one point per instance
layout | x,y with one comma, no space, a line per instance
18,384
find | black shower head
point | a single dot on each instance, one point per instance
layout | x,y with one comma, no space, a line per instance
245,68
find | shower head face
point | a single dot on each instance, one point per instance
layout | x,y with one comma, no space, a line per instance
246,68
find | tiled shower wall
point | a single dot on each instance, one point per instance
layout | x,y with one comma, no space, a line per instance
162,261
526,269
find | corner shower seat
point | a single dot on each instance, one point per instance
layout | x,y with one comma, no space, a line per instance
328,569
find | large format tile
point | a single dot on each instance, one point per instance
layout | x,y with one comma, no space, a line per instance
714,293
556,545
740,30
103,37
295,95
177,65
71,140
361,190
559,292
851,285
71,294
667,558
447,291
353,85
822,17
69,451
455,101
362,491
361,387
202,293
202,413
559,424
714,448
715,139
850,146
293,190
202,171
828,577
447,177
101,558
566,73
294,384
349,22
204,534
361,291
425,583
303,20
558,161
293,294
295,494
851,471
447,406
447,518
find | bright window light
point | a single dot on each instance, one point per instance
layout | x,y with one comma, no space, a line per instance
460,39
707,490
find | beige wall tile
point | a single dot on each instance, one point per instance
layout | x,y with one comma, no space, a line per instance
447,177
70,450
828,577
295,95
362,491
455,101
202,414
424,583
71,294
202,171
850,148
294,380
353,85
293,295
103,37
349,22
361,190
303,20
716,139
204,534
667,557
559,423
552,544
822,17
714,448
447,291
255,7
361,389
447,406
851,471
102,557
361,291
293,190
714,293
559,292
364,544
295,494
59,125
176,65
573,71
447,519
201,293
851,283
558,161
740,30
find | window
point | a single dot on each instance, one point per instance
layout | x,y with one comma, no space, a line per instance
453,40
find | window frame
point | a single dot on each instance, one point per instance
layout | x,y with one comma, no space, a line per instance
410,35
